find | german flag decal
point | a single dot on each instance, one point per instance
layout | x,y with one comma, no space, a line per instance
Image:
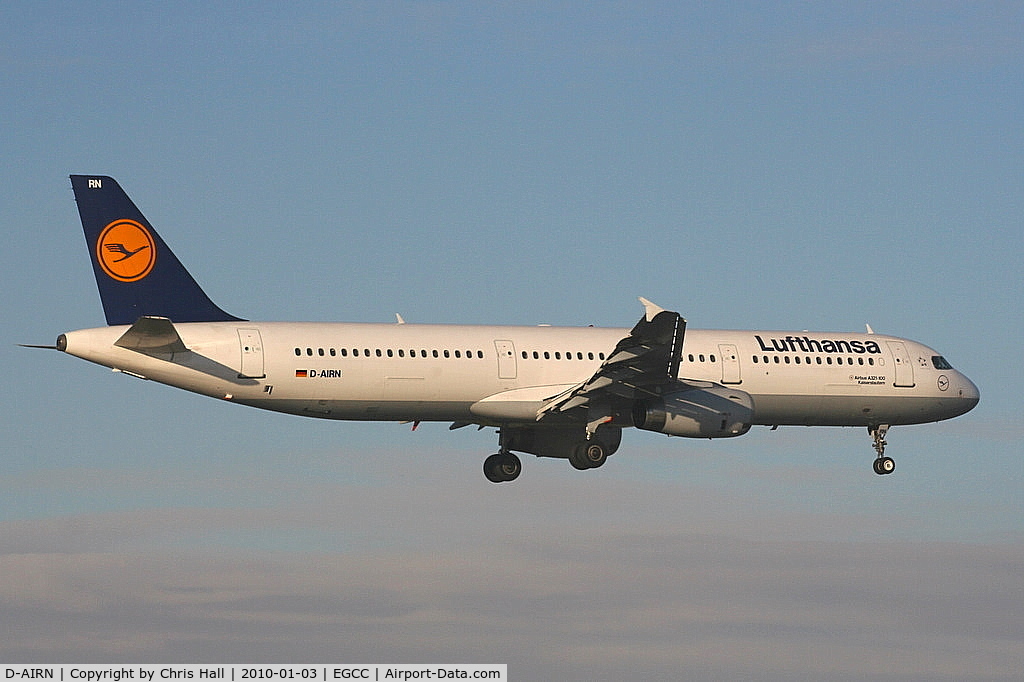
301,374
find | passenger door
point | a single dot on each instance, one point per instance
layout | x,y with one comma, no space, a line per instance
251,346
730,363
904,367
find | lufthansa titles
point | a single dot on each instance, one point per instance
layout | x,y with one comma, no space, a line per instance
805,344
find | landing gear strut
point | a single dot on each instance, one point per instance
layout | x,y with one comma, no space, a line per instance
883,465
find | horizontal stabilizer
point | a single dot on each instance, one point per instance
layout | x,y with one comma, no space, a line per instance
152,335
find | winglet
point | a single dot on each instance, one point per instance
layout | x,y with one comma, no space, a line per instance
652,309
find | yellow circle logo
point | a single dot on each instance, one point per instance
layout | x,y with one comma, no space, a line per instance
126,250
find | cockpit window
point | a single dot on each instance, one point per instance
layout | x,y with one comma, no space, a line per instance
940,362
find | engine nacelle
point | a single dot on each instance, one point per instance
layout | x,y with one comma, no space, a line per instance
712,412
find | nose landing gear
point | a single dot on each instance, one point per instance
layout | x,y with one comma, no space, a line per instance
882,465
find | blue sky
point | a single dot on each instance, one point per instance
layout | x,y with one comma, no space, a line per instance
798,166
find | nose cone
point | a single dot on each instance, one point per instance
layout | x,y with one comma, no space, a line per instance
968,393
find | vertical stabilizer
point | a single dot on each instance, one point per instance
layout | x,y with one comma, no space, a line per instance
137,274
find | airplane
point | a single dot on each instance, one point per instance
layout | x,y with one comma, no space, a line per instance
557,392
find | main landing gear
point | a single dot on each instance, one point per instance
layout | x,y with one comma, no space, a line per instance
567,442
502,467
883,465
588,455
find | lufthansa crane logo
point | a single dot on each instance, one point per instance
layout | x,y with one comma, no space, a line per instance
126,250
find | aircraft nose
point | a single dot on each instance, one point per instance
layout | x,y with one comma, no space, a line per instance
969,393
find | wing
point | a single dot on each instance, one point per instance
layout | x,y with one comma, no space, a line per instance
641,365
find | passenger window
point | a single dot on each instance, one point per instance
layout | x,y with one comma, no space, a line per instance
447,353
320,352
298,351
590,356
536,355
309,351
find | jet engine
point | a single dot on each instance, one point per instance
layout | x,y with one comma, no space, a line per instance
713,411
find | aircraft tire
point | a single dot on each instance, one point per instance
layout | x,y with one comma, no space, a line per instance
884,465
588,455
578,458
595,454
491,469
509,466
502,467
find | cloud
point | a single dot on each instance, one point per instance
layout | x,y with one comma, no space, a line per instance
562,577
600,606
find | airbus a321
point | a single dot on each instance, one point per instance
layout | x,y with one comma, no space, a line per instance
561,392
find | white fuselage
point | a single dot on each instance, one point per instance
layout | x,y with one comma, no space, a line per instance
501,374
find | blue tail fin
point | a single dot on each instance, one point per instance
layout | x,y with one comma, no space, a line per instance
135,271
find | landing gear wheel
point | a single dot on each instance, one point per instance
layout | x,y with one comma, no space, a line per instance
588,455
502,467
595,454
884,465
578,459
